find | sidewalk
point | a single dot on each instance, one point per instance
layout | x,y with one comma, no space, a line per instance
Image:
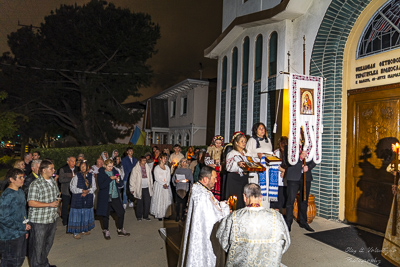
145,247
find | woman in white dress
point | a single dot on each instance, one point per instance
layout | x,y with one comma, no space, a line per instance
162,196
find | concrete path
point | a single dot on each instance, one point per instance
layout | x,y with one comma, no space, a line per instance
146,248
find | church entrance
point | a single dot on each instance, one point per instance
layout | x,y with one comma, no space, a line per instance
373,125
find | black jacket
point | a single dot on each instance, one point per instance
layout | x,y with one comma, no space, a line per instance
294,172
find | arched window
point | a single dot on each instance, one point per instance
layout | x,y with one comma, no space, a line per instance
245,74
224,72
273,53
245,80
272,71
257,79
233,91
179,139
234,66
187,139
258,61
382,31
223,95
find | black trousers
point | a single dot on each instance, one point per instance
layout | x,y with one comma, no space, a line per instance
66,201
13,251
292,188
116,205
180,205
143,204
40,242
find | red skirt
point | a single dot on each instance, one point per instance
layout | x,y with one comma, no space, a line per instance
217,188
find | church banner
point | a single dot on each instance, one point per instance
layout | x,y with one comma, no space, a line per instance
305,111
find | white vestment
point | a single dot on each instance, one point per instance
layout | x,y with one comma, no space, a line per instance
199,244
254,236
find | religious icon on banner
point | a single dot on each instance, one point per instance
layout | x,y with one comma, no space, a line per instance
307,101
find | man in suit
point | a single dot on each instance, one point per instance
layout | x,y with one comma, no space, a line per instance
295,179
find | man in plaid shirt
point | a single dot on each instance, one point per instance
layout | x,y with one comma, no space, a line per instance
43,203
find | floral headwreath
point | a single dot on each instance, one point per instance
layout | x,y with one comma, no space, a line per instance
216,138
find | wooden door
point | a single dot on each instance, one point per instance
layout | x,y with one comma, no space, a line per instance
373,125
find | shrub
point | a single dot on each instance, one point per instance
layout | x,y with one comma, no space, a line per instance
59,155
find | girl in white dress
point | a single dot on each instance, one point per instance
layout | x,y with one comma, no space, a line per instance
161,201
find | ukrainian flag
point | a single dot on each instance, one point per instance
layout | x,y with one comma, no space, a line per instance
138,137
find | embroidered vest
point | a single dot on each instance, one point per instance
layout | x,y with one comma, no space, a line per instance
79,202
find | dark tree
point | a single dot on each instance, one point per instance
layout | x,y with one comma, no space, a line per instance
78,67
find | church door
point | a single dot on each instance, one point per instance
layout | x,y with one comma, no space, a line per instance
373,125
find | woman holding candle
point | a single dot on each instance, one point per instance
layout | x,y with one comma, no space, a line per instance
162,194
213,159
81,217
13,223
109,198
182,179
237,178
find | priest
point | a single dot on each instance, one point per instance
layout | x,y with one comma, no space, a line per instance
254,235
199,245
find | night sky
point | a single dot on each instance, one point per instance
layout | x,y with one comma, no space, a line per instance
187,28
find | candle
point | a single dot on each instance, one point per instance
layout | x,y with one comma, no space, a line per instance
232,202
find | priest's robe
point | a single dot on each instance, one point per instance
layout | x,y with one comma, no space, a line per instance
254,236
199,245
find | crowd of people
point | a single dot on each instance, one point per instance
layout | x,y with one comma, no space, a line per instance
196,185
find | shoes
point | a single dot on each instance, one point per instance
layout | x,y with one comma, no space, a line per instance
86,233
147,219
177,219
122,232
307,227
77,236
160,219
130,204
139,219
124,206
106,234
52,265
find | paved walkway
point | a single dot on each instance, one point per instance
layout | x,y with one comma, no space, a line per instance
146,248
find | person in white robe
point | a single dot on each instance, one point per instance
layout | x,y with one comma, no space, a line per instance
161,202
254,235
199,245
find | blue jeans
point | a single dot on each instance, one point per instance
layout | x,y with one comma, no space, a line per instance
13,251
124,197
40,242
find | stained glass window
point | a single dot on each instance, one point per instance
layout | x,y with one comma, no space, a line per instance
382,33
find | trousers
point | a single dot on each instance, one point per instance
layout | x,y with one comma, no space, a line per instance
292,188
143,204
40,242
13,251
116,205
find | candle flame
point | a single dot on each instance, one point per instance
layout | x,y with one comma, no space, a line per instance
395,147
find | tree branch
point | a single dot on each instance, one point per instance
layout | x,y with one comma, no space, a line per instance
108,60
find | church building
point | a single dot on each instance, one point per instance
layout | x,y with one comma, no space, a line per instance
355,46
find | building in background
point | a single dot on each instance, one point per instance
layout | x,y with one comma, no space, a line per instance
355,45
180,114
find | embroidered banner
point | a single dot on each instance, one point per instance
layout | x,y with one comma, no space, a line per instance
305,111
